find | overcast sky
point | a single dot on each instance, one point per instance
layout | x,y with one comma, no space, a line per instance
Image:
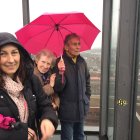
11,12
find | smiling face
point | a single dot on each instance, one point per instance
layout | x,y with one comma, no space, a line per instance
9,59
43,63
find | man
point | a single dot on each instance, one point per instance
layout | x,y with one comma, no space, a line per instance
73,86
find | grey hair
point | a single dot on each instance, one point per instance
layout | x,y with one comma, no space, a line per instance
47,53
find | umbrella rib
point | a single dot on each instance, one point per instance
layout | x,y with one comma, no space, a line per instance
42,25
39,33
68,29
51,35
65,29
61,34
53,31
60,20
84,41
49,38
53,22
62,26
59,23
71,32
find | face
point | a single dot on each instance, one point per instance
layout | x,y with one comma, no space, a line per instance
43,64
9,59
73,47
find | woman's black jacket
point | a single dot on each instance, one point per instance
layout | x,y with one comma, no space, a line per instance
39,108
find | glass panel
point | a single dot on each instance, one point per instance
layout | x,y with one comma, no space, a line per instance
93,59
114,37
93,10
11,15
136,126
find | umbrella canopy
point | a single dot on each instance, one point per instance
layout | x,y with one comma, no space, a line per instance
49,30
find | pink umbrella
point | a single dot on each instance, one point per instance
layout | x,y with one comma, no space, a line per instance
49,30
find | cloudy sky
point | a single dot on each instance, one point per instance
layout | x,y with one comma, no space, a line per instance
11,12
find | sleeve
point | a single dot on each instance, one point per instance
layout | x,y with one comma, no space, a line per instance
48,89
59,85
88,86
44,106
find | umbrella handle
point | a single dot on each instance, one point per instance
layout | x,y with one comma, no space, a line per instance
62,70
61,57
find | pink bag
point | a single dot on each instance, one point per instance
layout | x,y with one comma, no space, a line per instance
5,122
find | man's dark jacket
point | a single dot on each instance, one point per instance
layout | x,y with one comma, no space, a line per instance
74,91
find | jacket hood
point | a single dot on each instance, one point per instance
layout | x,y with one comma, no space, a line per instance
8,38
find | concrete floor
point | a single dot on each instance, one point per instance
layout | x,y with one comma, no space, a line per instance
91,137
88,133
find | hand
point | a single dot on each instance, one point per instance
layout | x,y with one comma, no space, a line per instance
31,134
61,65
52,80
54,106
47,129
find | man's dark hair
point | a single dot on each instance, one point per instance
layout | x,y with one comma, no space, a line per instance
69,37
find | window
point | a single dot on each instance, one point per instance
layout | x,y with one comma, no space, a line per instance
93,10
11,16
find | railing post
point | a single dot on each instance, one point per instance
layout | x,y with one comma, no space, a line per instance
26,12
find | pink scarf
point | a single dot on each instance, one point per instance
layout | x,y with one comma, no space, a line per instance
14,90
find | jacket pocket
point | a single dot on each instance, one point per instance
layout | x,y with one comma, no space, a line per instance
86,105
